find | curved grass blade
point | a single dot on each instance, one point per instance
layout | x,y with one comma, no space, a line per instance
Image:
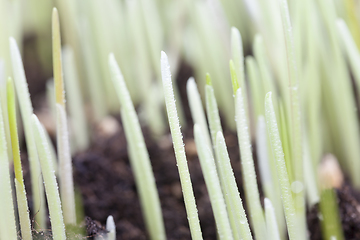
23,208
51,186
26,110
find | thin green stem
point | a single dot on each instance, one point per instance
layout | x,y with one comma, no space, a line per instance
248,169
7,218
208,167
178,144
139,156
238,221
26,110
23,208
271,223
51,186
62,135
276,146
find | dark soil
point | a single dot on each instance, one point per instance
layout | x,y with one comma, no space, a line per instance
106,182
349,209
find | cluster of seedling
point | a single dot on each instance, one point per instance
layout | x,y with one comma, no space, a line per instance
294,100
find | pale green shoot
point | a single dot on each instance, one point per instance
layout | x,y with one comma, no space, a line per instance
96,89
154,107
339,96
271,189
4,106
276,146
208,168
331,221
248,169
26,110
238,58
65,167
295,125
267,82
256,89
62,136
139,156
196,108
111,228
238,221
271,223
23,208
76,105
51,186
312,192
178,143
7,218
212,110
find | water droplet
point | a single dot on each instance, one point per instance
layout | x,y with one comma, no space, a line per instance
297,187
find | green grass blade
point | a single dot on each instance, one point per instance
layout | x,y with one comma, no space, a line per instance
140,157
295,116
51,186
238,58
238,220
212,110
7,218
23,208
208,168
269,181
26,110
178,143
276,146
75,101
329,208
248,169
271,223
196,108
62,135
65,167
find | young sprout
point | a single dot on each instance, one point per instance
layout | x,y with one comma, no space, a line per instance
208,167
197,110
111,228
330,177
23,208
238,58
276,146
7,217
139,156
212,110
239,223
178,143
265,163
76,105
62,136
26,110
251,188
51,186
295,125
271,223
